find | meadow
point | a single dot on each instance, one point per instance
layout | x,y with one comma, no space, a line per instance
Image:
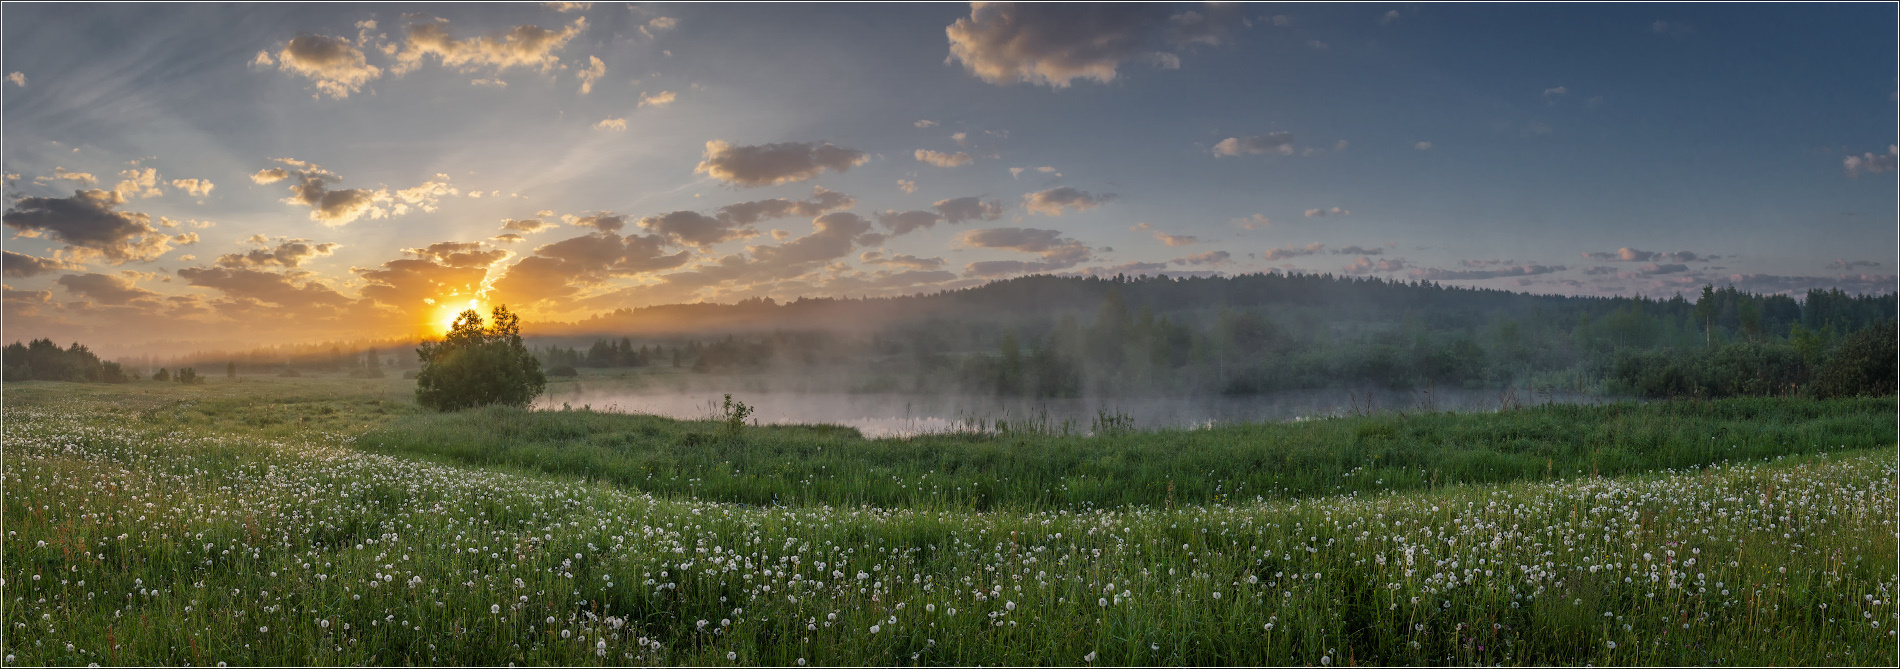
327,521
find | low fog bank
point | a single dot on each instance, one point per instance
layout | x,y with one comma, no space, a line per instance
903,414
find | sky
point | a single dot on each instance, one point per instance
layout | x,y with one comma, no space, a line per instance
227,173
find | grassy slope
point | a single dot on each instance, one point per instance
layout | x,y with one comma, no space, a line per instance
1389,452
144,529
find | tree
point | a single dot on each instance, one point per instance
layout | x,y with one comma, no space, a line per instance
476,366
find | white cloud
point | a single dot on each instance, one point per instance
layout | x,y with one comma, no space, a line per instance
17,79
660,99
943,159
1053,201
1056,44
1423,146
595,70
336,65
195,187
1275,142
1871,163
611,124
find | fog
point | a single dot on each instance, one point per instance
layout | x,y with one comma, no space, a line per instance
896,415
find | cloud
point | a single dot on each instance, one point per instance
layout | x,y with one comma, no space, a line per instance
1551,94
910,261
1051,202
336,65
1293,252
525,225
290,253
1175,240
901,222
1673,268
437,272
1273,142
1357,251
106,289
659,24
616,124
17,79
943,159
1871,163
694,229
427,195
1057,251
1423,146
1865,284
23,266
139,182
821,201
523,46
925,123
330,207
1389,18
604,222
1852,264
1254,222
194,187
562,269
595,70
770,164
60,174
1627,254
1055,44
565,7
907,185
971,208
1322,213
660,99
1208,258
1434,274
89,224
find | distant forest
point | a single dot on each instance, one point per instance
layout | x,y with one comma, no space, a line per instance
1066,336
1048,336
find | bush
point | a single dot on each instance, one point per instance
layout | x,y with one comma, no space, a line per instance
564,370
1864,364
475,366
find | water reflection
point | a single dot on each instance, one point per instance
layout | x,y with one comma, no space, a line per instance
881,415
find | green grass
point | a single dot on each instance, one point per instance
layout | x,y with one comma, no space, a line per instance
143,529
789,465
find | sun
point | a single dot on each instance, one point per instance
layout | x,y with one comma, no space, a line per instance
446,314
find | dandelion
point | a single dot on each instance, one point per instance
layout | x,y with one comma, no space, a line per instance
874,629
1090,658
731,656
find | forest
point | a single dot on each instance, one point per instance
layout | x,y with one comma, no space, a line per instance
1064,337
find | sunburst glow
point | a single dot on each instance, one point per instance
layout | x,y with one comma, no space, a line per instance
448,311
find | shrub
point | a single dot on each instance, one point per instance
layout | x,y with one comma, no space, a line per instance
475,366
1864,364
564,370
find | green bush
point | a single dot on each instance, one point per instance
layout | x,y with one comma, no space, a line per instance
475,366
1864,364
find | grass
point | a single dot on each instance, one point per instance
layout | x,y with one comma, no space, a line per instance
143,529
793,465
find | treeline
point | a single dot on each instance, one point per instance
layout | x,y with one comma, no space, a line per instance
43,360
1147,336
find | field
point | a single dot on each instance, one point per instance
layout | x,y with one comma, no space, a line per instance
327,521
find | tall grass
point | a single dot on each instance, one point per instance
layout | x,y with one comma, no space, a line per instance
133,538
1031,469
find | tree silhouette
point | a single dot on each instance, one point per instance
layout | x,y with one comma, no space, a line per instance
476,366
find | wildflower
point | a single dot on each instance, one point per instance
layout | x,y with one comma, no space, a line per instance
1089,657
874,629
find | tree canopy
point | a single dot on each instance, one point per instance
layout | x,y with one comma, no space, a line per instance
475,366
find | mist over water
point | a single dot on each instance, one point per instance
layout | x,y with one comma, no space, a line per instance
896,414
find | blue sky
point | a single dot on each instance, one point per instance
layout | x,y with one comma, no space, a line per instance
1574,149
